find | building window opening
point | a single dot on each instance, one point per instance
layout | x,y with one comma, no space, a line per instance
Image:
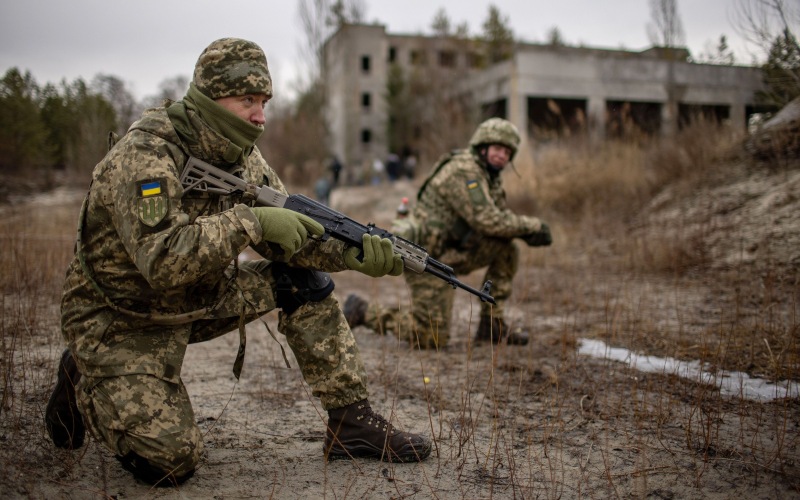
366,136
630,119
366,101
551,117
417,57
392,54
447,59
365,64
708,113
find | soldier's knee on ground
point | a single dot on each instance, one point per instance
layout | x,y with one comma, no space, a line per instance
164,463
144,470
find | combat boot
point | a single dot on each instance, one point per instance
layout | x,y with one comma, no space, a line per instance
61,417
495,330
357,431
355,310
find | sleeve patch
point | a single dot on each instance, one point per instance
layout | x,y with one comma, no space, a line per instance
152,204
476,195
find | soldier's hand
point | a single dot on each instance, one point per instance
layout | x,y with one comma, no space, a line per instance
540,238
285,227
378,260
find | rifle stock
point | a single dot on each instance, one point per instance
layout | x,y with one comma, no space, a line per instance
201,176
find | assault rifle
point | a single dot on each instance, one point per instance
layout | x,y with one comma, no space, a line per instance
201,176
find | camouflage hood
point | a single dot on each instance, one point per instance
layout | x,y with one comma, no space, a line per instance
176,124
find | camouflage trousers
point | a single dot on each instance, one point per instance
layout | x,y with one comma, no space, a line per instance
427,322
152,416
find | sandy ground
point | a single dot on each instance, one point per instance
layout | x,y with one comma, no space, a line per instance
538,421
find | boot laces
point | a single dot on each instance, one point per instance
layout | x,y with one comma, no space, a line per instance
377,420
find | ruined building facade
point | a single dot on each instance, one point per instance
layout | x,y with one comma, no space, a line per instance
545,90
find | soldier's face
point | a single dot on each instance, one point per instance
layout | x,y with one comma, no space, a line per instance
249,108
498,155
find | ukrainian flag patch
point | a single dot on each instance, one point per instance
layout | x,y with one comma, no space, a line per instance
152,203
472,184
151,188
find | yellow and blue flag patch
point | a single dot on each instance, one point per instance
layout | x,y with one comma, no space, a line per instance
152,203
151,188
476,196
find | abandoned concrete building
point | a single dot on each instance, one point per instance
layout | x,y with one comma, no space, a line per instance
543,89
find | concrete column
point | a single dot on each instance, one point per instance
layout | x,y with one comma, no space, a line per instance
596,110
517,104
738,117
669,118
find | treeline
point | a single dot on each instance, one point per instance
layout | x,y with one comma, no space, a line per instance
57,133
51,128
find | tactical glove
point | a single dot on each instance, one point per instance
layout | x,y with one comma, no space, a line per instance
286,228
378,260
540,238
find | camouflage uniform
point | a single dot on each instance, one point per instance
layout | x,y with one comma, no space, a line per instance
156,270
462,220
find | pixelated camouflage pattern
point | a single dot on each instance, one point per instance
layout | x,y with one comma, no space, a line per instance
230,67
462,220
496,131
463,198
186,262
427,321
116,409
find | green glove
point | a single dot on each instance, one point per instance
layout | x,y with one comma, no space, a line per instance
379,258
286,228
540,238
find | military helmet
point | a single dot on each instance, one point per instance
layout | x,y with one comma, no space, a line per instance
496,131
232,67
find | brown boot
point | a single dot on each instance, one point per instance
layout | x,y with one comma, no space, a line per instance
63,421
495,330
355,310
356,431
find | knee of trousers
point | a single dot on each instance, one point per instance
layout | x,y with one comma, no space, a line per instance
172,442
177,453
508,254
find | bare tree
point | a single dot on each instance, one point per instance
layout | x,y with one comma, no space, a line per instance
770,26
319,20
116,93
666,28
173,88
760,22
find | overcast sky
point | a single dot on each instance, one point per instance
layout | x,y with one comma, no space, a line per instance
144,42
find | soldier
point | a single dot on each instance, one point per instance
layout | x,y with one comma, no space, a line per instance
156,269
461,219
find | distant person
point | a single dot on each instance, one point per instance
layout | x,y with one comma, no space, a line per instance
322,189
378,171
461,218
156,269
336,169
410,165
394,169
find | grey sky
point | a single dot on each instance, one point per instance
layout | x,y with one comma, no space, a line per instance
144,42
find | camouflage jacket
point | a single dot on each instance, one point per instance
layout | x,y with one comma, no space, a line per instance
460,200
154,249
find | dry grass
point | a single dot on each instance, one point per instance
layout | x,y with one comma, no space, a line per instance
533,422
